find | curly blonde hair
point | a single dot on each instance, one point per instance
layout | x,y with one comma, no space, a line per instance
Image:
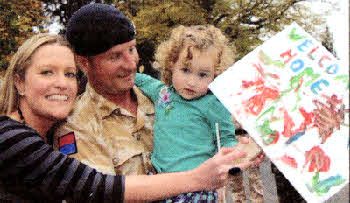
201,37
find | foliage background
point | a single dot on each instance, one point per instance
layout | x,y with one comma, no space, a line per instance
245,22
17,23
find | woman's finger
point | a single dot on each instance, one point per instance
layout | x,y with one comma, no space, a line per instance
229,156
243,140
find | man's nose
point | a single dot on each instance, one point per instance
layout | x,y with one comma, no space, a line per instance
130,61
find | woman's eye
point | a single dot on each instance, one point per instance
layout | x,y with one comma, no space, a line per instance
71,75
46,72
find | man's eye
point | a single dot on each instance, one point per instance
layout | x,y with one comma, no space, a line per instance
115,56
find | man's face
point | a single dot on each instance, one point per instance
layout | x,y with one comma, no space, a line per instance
113,72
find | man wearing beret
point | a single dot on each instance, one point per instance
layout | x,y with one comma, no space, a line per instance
111,128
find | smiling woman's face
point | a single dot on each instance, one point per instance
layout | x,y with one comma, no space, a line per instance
50,85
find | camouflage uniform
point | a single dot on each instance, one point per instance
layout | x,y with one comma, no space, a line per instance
109,138
236,185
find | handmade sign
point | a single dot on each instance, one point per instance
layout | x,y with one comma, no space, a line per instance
291,95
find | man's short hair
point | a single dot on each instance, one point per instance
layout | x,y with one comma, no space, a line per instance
95,28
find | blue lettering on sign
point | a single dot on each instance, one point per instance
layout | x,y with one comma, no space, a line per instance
297,65
334,70
317,85
304,44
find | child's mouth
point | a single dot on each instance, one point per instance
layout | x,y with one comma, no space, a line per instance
189,90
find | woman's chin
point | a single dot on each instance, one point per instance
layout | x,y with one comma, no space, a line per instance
57,117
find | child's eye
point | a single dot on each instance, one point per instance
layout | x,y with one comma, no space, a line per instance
46,72
71,75
203,75
186,70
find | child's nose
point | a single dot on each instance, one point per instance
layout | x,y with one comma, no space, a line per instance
191,80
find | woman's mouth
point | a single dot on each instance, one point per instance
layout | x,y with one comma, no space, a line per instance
57,97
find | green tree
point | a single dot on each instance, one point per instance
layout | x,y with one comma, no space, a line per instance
62,10
16,25
154,21
246,22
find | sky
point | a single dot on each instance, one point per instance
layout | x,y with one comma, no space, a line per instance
338,22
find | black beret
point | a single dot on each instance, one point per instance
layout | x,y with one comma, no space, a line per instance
95,28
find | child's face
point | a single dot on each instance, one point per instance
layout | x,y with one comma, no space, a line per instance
192,81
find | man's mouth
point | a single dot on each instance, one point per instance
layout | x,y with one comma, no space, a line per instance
125,75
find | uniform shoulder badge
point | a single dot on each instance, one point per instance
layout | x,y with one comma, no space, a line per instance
67,144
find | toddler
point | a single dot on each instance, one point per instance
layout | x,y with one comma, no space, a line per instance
186,111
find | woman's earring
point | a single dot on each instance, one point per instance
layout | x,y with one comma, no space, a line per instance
21,93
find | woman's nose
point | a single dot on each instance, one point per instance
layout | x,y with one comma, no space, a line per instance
61,81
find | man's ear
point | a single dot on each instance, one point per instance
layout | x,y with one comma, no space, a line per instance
83,63
19,83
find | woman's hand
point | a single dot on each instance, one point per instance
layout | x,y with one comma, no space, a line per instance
256,160
213,173
210,175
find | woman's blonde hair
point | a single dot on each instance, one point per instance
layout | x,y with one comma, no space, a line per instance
20,61
201,37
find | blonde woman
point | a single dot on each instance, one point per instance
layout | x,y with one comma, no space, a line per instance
39,89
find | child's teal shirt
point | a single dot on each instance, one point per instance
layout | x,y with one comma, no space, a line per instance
184,130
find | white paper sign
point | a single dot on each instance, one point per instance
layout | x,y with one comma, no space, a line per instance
278,93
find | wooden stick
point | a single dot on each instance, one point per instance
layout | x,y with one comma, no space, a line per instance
218,136
219,147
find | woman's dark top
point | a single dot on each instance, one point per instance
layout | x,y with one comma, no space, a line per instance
33,170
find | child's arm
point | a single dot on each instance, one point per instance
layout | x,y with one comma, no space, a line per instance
149,85
219,114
